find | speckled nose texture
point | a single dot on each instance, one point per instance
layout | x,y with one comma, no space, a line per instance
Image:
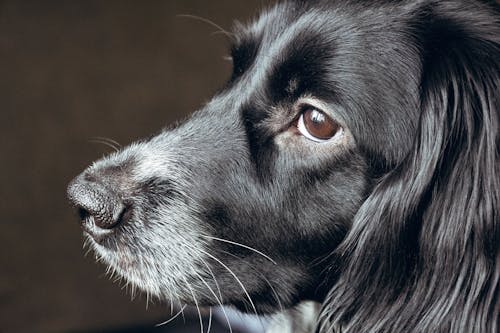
96,203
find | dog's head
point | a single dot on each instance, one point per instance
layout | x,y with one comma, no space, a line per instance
245,202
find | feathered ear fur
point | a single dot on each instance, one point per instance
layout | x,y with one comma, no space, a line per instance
423,254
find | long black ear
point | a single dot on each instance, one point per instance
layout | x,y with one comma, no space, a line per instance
423,254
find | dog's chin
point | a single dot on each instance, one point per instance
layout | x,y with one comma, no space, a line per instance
139,275
124,266
183,274
144,261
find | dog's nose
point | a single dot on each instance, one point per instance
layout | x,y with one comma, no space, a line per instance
96,203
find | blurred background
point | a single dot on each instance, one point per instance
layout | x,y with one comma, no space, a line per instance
71,71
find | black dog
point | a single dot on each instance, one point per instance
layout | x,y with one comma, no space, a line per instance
352,159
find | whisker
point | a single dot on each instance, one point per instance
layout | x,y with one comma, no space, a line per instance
196,303
114,142
236,278
274,292
216,298
209,22
218,32
209,319
241,245
262,277
104,142
213,277
87,247
219,300
172,318
108,141
183,316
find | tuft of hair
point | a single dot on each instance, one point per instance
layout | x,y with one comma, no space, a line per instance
423,254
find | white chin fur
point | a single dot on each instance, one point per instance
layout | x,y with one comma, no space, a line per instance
161,258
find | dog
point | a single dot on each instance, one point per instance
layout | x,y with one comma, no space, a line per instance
352,159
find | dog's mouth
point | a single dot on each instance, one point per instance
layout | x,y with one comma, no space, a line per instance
100,230
97,234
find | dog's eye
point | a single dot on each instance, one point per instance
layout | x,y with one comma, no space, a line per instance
317,126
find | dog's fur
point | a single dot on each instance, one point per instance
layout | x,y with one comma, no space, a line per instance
393,228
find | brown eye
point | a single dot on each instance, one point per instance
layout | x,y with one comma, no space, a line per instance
317,126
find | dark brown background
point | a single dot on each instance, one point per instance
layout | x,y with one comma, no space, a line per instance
70,71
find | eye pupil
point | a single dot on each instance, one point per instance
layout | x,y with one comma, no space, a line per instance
319,125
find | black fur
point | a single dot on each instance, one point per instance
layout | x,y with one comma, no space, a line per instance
423,252
397,230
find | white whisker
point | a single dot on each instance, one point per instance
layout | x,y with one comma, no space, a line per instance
195,302
172,318
236,278
107,142
213,277
213,24
209,320
219,300
216,298
183,316
262,277
241,245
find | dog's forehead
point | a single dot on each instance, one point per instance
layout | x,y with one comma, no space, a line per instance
288,20
353,24
337,38
277,28
284,35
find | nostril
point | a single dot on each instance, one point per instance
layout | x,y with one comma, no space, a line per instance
83,213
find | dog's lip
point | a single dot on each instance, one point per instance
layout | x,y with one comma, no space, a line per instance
98,234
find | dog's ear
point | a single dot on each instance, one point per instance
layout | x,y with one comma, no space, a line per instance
423,253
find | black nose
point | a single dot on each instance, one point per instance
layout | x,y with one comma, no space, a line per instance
97,204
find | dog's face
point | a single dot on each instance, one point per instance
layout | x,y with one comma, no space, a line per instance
243,202
274,163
